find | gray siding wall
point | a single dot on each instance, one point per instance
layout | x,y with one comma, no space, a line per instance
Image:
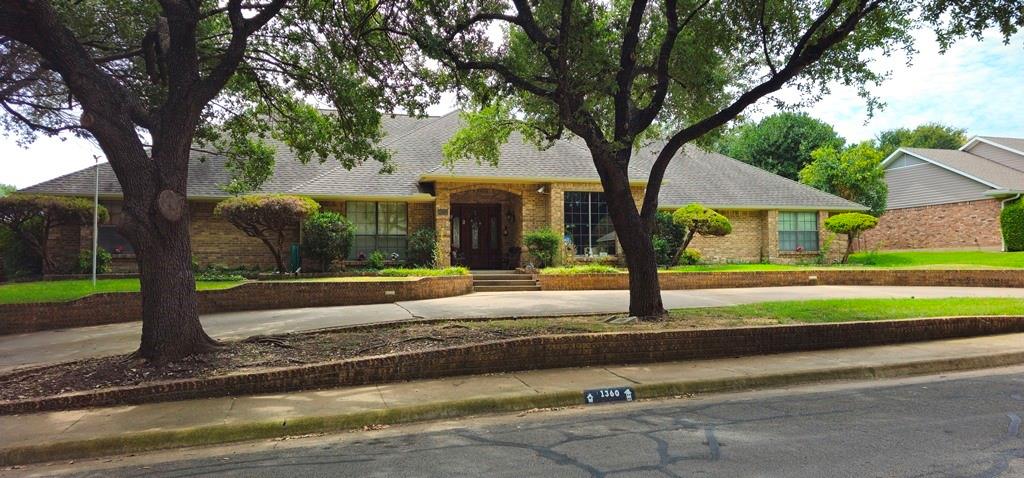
926,184
998,155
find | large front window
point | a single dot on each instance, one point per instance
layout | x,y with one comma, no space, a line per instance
588,225
798,231
380,226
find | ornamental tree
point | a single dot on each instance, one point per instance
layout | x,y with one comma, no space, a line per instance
780,143
697,219
268,217
616,75
854,173
852,224
326,237
31,218
155,82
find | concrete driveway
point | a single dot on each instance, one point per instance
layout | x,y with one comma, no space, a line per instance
70,344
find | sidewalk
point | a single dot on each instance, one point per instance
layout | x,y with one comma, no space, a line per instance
79,433
72,344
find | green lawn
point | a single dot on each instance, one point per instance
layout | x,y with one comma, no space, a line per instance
842,310
883,260
765,314
953,259
63,290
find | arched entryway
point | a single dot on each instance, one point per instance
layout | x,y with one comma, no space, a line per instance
486,228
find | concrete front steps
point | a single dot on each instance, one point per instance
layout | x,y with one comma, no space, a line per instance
502,281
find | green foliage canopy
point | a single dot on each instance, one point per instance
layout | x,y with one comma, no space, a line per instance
781,143
326,237
929,135
854,173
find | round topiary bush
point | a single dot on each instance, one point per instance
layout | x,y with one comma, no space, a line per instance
852,224
1011,221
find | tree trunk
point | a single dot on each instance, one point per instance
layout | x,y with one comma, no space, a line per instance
682,247
635,238
170,314
850,238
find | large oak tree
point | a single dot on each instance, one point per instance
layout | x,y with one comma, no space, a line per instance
152,80
621,73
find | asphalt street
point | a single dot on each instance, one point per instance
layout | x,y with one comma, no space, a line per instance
71,344
965,425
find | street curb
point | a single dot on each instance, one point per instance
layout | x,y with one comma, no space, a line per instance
222,434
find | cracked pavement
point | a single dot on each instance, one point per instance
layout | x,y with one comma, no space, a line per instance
964,424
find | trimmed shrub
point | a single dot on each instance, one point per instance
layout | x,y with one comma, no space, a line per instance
852,224
103,260
697,219
326,237
690,257
375,261
1011,220
544,245
423,247
268,217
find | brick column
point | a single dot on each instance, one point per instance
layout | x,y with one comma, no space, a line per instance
442,225
771,235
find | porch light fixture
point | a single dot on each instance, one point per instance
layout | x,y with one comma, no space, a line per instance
510,218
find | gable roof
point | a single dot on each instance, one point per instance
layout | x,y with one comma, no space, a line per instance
695,176
983,170
1013,145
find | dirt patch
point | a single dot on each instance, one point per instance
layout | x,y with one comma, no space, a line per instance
259,353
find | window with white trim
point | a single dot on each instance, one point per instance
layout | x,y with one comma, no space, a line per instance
379,226
798,231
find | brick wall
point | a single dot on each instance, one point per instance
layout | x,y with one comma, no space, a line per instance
725,280
970,224
744,244
546,352
109,308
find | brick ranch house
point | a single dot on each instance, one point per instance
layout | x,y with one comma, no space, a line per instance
480,212
949,199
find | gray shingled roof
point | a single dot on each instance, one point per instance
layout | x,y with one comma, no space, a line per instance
1012,143
718,181
695,176
1003,177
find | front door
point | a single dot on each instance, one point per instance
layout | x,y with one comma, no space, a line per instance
476,235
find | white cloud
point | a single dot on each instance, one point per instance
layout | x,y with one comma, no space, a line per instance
976,85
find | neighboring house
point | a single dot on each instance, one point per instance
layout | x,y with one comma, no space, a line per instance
942,198
480,212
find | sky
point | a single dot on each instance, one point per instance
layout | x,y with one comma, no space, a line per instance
976,85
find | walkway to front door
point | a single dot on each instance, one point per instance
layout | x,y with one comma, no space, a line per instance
476,236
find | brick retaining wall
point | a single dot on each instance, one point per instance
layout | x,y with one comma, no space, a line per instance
725,280
545,352
116,307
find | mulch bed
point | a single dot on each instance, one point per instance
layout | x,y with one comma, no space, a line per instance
259,353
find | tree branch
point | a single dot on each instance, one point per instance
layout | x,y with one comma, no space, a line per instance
803,55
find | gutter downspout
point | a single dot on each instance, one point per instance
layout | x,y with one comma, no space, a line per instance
1002,205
